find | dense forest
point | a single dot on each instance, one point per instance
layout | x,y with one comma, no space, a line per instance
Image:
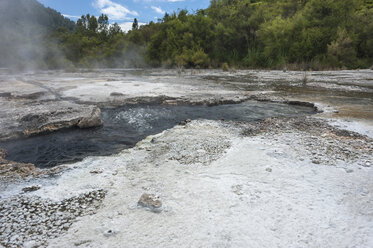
280,34
264,33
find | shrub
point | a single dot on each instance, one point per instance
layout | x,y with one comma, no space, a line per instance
341,52
225,67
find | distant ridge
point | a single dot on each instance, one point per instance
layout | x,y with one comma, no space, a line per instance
31,12
24,28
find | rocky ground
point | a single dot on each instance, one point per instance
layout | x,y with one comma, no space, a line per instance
31,221
34,103
293,182
287,182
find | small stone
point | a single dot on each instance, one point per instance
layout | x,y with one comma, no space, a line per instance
31,244
349,170
66,226
109,233
151,202
269,170
367,164
97,171
3,154
92,121
31,188
316,161
116,94
183,123
82,242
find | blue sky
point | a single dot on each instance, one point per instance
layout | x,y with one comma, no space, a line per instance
123,11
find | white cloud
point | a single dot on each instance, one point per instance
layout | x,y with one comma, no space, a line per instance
127,26
71,16
158,10
115,11
150,1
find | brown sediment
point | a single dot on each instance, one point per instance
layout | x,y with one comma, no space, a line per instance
355,111
275,99
3,154
11,171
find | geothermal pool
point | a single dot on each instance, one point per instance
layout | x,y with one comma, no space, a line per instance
125,126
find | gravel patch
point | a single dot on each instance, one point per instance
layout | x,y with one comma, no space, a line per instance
29,221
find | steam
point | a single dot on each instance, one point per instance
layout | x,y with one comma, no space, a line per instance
23,43
26,42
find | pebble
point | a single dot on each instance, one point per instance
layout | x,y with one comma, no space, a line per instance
97,171
110,232
151,202
31,244
349,170
31,188
29,221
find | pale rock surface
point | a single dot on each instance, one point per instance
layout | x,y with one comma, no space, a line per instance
277,183
229,199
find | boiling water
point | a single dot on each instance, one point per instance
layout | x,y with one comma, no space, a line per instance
125,126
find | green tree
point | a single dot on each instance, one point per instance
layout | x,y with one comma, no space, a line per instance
92,24
103,24
342,51
135,24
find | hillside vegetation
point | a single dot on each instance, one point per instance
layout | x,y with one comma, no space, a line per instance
264,33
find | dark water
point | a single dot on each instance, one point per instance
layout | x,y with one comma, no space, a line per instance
125,126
